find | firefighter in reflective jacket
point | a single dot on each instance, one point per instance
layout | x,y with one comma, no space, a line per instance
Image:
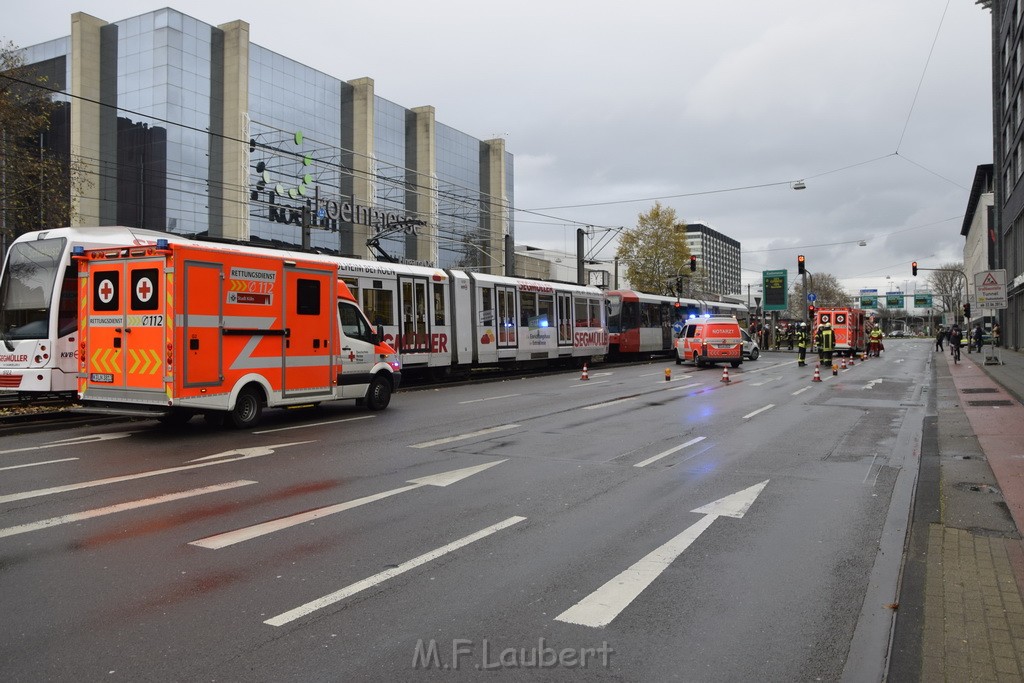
875,341
801,344
826,343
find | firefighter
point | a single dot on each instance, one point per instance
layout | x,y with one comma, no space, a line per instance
790,336
826,343
875,341
801,345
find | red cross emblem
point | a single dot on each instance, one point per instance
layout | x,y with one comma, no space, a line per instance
106,291
351,356
144,289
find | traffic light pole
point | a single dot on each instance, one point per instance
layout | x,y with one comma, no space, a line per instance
967,287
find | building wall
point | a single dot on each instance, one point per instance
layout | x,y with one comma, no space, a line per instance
718,257
173,102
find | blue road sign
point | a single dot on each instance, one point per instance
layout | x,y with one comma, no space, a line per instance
812,297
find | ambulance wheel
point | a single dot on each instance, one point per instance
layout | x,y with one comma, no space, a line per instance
754,353
378,396
697,360
247,410
679,361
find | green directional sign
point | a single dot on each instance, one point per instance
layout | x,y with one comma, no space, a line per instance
894,299
776,290
923,300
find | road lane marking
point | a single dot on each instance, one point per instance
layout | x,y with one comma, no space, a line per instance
670,451
315,424
461,437
602,606
765,381
686,386
610,403
248,533
492,398
74,441
759,410
800,391
587,383
376,579
36,464
243,454
120,507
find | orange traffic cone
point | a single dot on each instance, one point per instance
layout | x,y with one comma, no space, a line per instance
585,374
842,364
852,356
725,375
817,374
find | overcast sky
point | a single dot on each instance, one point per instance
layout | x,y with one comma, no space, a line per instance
609,105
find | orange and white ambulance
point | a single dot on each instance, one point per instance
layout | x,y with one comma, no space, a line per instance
847,327
710,340
171,330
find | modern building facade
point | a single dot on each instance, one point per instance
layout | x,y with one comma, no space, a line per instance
978,230
1008,157
718,257
182,126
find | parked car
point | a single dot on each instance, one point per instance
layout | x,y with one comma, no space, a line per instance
750,348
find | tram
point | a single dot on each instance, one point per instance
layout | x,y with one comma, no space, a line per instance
640,323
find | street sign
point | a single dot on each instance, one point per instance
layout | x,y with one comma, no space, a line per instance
894,299
869,298
923,300
776,291
990,288
812,297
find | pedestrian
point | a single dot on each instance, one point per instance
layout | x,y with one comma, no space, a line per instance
955,341
801,345
978,337
995,335
939,336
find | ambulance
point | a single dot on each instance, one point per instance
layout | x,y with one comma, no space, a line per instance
173,330
847,326
709,340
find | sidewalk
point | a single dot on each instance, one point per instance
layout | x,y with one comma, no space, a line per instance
966,539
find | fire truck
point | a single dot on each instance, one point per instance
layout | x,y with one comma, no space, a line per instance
847,325
172,330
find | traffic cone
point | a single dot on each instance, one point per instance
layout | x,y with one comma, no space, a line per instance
668,374
852,356
842,364
725,375
835,369
585,375
817,374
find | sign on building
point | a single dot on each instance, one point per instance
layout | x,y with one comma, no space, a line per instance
990,288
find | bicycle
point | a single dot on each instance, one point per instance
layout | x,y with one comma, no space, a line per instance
954,351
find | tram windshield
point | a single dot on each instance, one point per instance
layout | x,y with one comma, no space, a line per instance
614,313
26,290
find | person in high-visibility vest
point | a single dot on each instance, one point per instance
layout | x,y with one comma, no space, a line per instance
801,344
875,341
826,343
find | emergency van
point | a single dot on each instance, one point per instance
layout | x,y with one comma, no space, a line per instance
847,327
710,340
172,330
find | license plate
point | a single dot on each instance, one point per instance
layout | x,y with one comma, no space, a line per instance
101,378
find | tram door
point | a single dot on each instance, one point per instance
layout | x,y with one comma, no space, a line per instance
564,313
414,331
667,319
507,321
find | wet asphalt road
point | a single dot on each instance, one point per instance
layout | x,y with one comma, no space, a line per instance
540,524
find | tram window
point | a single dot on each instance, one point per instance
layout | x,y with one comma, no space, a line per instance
439,311
614,314
486,307
67,312
546,309
379,305
527,309
582,313
595,312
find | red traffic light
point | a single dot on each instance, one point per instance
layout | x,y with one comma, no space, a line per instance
693,263
801,264
913,268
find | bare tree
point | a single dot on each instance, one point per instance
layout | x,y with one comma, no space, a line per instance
827,291
947,285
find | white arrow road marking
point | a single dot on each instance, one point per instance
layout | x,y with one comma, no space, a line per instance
759,410
348,591
492,398
74,441
36,464
121,507
670,451
871,384
248,533
244,454
460,437
603,605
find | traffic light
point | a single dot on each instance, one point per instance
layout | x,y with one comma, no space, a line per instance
693,263
810,310
913,268
801,265
967,311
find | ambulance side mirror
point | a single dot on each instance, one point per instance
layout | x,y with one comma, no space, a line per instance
375,335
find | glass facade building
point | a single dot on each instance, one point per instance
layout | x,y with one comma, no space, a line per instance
718,256
182,126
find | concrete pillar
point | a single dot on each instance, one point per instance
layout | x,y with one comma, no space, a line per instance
229,157
421,176
496,214
86,147
363,164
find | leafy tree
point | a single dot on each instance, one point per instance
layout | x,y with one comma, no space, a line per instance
655,251
826,288
36,180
